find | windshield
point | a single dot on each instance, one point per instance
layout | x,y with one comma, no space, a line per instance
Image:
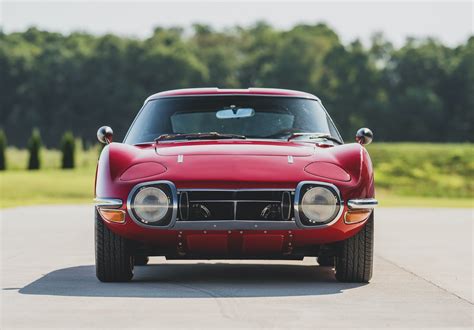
261,117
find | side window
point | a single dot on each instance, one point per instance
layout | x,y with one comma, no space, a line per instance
332,128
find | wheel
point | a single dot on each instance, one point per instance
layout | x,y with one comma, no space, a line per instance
326,261
141,260
113,260
354,259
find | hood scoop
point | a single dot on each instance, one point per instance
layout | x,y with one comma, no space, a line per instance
230,148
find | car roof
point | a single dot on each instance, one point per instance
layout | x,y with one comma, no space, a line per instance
218,91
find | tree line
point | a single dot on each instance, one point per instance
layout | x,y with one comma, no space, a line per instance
421,91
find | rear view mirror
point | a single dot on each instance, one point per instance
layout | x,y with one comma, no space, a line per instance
235,113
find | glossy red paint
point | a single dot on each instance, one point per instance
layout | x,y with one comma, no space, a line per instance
327,170
142,171
234,164
234,171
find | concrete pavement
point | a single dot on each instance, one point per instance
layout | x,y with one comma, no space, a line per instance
423,278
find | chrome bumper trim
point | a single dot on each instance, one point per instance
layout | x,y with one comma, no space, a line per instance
108,203
366,203
235,225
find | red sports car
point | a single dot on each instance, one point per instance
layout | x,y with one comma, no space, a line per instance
234,174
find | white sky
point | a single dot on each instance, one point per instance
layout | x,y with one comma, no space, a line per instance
448,21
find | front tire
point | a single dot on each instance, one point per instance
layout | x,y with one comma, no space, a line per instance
355,256
113,260
141,260
326,261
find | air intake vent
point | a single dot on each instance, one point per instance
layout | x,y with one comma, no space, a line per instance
243,205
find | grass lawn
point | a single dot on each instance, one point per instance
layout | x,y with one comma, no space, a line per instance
50,184
47,186
53,186
387,199
424,169
406,174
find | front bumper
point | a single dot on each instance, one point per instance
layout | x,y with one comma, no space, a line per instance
292,223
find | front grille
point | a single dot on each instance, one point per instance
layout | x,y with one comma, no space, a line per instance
244,205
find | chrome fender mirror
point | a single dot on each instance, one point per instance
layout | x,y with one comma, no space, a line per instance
105,134
364,136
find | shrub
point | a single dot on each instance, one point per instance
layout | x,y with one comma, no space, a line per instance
34,148
3,147
68,146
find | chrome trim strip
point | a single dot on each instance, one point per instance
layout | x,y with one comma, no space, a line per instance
174,203
205,224
156,97
287,195
235,225
297,198
108,203
182,195
237,190
235,210
363,203
233,200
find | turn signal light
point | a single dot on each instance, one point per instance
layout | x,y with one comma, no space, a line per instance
355,216
117,216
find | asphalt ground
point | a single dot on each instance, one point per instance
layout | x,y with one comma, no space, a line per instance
422,278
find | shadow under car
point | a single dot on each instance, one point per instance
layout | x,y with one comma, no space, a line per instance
198,280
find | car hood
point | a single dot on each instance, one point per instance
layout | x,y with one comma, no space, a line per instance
233,147
231,162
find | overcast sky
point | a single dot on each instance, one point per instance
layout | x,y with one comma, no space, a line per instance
449,21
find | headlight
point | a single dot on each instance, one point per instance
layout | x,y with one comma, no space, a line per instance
151,204
318,204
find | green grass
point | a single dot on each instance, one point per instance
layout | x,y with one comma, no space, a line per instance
387,199
406,174
50,184
424,169
47,186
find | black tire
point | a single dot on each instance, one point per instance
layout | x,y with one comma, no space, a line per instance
355,256
141,260
326,261
113,260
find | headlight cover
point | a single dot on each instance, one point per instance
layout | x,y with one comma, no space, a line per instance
318,204
152,204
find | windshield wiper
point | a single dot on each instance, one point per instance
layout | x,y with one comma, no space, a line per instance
198,136
314,136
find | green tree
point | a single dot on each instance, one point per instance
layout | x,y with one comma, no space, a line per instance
458,92
68,147
3,147
34,148
298,61
219,52
416,76
76,81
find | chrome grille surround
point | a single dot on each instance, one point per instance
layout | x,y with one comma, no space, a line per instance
239,204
